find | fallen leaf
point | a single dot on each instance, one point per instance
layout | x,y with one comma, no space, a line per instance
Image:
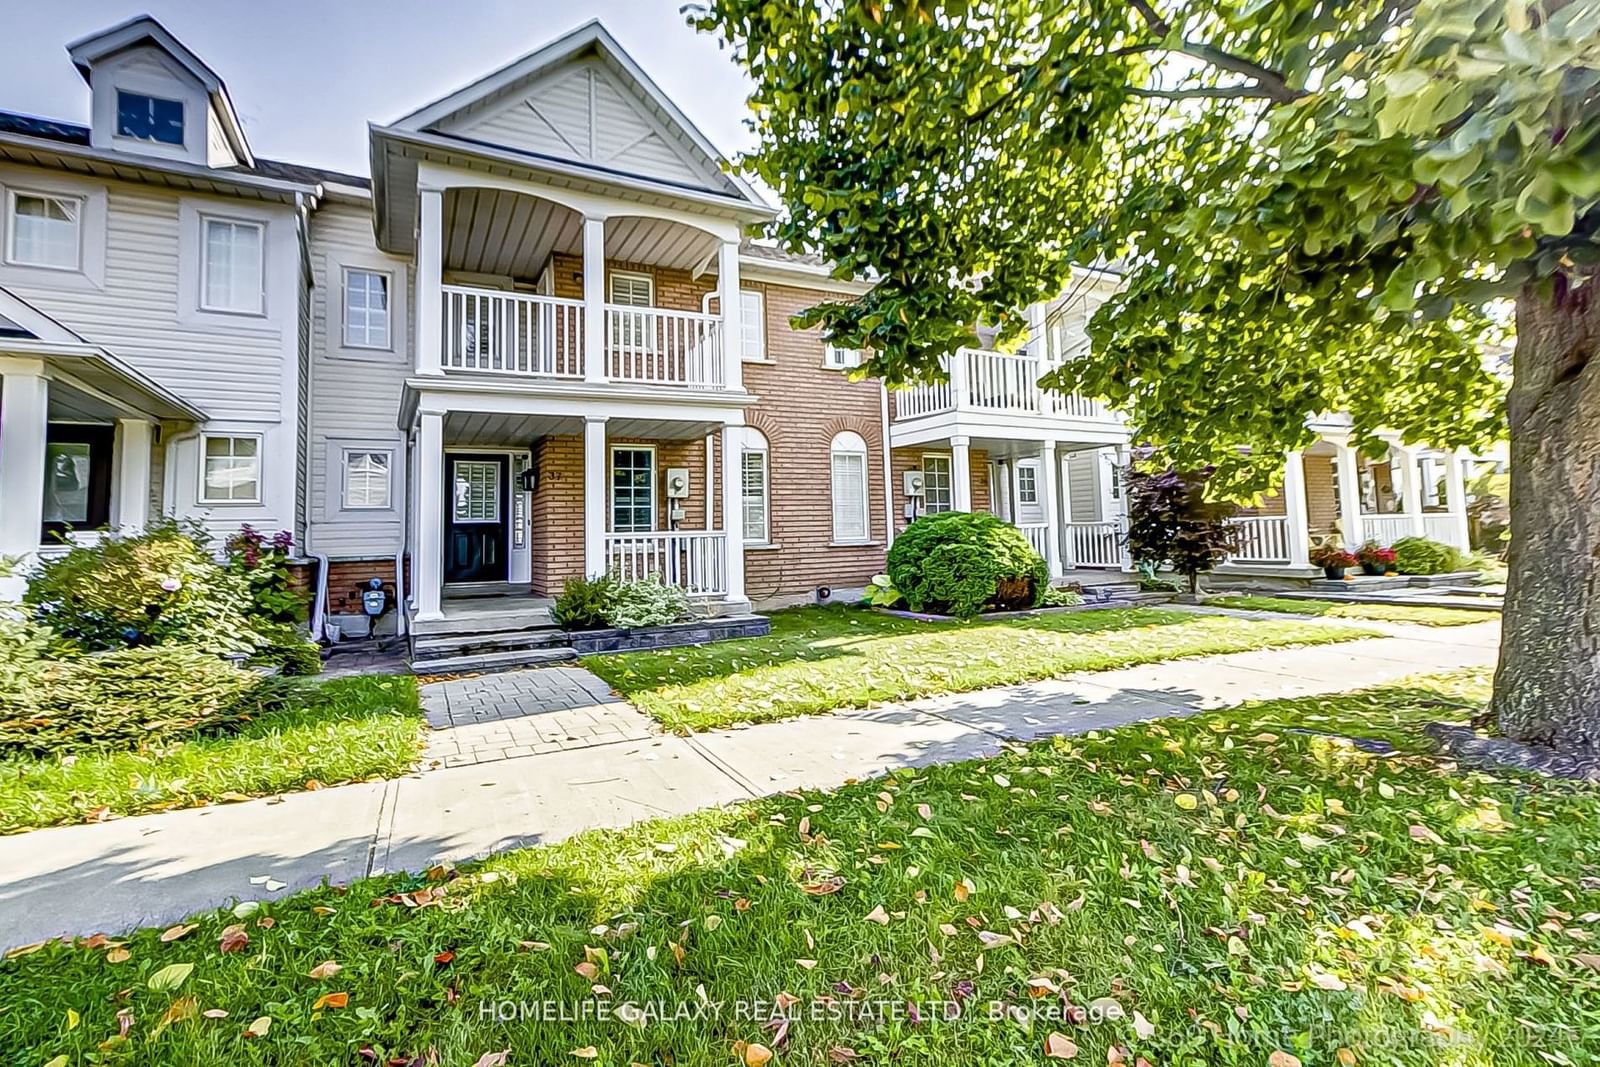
444,957
757,1055
172,933
1281,1058
1186,801
1345,1057
259,1028
331,1000
170,977
843,1054
1419,832
234,939
118,955
587,1052
1588,959
326,969
493,1059
1058,1046
877,915
1143,1027
925,811
215,1013
964,889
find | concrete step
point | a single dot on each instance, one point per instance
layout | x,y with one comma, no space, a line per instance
486,619
435,645
1111,591
478,663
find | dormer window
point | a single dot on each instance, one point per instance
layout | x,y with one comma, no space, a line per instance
149,118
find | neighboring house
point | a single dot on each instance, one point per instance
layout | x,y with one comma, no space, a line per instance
533,346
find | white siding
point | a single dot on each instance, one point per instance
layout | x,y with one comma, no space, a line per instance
1082,490
355,394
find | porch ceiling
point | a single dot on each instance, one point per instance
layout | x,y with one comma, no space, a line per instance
473,429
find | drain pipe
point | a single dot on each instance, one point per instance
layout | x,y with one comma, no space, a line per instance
319,597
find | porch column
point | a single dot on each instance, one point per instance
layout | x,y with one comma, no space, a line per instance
24,415
1349,494
1052,514
1294,505
430,279
732,502
594,305
732,309
960,473
594,496
427,562
130,496
1410,490
1455,499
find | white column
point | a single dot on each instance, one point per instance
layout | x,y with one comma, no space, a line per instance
958,379
1052,514
594,302
1455,499
711,479
889,516
732,333
24,417
1404,460
732,527
961,472
130,494
427,561
594,496
430,278
1294,506
1349,495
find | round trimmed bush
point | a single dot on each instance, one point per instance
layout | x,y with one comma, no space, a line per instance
1418,555
959,563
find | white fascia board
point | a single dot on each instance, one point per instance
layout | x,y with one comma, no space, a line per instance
218,178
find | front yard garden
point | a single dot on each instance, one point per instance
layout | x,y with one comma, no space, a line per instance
819,659
1240,888
1420,614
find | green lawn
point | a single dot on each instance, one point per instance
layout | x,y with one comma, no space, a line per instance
1333,609
340,730
819,659
1212,890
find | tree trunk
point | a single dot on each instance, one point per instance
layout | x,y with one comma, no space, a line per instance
1547,687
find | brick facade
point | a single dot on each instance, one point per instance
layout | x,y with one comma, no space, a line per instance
910,459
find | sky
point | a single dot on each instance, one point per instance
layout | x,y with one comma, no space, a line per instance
308,75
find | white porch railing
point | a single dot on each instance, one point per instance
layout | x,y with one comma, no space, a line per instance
662,347
693,560
1038,534
994,382
1441,527
1385,529
1262,539
1094,544
512,333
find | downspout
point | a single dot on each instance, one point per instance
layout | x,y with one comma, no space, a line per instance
169,470
888,468
402,618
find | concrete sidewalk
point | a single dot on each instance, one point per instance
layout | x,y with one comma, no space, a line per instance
156,869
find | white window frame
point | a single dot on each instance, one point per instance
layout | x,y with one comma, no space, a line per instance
836,358
948,490
205,440
849,444
260,227
631,276
611,487
753,347
388,479
81,206
1027,489
755,446
388,309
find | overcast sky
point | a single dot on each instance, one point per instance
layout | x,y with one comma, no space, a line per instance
308,75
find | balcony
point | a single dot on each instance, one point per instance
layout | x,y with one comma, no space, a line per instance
543,337
998,384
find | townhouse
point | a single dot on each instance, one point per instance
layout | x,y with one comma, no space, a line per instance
536,344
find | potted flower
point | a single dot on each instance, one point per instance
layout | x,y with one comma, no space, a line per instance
1333,560
1375,559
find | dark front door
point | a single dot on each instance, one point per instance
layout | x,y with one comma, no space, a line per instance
475,522
77,478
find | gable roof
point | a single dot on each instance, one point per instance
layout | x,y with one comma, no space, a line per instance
591,38
87,51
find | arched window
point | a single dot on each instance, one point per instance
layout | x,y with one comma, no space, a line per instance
848,456
755,477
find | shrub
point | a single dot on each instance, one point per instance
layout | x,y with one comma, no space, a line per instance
1418,555
647,603
1372,554
881,593
289,649
127,698
959,563
25,645
1329,554
585,603
1060,597
1171,523
157,587
262,563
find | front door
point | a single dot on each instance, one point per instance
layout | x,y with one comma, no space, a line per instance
475,524
77,479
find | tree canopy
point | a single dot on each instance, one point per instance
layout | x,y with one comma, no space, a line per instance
1313,201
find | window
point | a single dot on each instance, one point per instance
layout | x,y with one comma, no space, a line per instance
366,480
938,494
633,490
477,488
849,462
230,265
232,470
45,230
840,358
752,325
366,308
1027,484
756,487
632,290
149,118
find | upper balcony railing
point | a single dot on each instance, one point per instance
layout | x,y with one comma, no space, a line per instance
544,337
998,383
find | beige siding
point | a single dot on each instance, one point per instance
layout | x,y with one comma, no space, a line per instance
1083,491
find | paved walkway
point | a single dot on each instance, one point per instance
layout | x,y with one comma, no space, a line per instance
155,869
492,717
